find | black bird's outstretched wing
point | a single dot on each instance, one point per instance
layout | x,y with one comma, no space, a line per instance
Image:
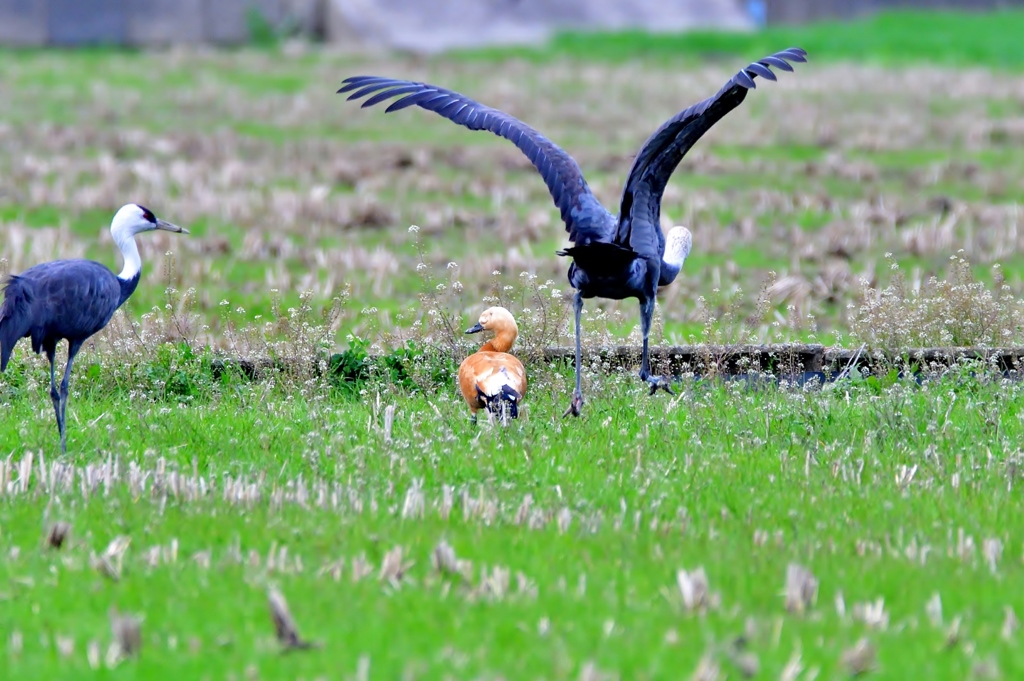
665,148
584,217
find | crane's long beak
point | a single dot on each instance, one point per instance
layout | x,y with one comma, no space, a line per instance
476,328
170,227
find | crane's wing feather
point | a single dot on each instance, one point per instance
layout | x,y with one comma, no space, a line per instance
15,316
584,217
665,148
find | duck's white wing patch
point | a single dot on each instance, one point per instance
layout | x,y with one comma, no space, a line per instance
492,382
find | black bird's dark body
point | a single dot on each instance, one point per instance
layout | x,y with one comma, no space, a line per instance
614,257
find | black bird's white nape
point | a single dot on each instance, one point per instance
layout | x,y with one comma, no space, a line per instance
72,300
613,257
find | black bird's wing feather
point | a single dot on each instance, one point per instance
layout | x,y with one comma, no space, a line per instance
664,149
585,219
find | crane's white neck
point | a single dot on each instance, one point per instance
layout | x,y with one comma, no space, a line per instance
125,240
678,243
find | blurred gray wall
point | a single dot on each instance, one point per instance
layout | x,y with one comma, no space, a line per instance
433,25
143,22
421,25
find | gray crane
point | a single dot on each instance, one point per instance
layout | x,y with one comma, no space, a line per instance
613,257
72,300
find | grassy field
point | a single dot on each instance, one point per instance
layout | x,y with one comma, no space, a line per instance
900,500
869,526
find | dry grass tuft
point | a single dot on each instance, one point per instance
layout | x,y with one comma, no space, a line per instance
708,669
953,632
992,550
933,610
65,645
985,670
394,566
742,657
801,588
284,624
860,659
589,671
695,591
58,534
872,613
793,667
110,562
127,633
15,643
446,563
92,654
1010,624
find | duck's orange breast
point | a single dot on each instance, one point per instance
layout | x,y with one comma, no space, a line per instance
489,371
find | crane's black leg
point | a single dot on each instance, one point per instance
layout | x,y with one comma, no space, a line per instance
577,397
646,317
51,355
73,348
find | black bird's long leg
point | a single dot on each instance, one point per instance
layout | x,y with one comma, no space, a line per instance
646,317
73,348
577,396
51,355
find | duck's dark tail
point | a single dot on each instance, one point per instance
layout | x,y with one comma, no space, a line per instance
504,405
15,317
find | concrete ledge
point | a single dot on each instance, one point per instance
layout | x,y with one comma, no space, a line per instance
788,361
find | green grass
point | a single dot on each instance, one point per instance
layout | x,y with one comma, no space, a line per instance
736,481
85,223
946,38
592,518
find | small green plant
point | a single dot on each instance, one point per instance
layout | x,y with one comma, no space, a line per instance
350,369
262,32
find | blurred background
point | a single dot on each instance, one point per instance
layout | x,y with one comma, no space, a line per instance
407,24
896,151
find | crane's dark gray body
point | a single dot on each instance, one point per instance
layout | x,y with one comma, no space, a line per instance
63,299
613,257
72,300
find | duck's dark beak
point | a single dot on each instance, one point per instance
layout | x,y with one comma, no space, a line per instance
476,328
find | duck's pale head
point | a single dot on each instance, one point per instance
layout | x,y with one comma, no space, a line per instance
496,319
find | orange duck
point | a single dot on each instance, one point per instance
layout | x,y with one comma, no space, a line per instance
491,378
